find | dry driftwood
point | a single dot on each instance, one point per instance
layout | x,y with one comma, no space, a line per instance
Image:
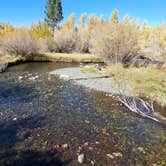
141,107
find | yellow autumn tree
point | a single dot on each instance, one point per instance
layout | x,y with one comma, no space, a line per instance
114,39
6,29
65,36
114,19
40,30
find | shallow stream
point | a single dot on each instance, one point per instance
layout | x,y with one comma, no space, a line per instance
48,121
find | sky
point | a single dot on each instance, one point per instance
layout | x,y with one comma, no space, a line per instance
26,12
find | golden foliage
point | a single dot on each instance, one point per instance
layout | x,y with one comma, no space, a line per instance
112,39
6,29
40,30
20,42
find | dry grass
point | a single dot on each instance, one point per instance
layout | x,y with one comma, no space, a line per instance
73,57
54,57
150,81
11,59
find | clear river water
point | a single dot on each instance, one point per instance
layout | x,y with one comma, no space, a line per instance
48,121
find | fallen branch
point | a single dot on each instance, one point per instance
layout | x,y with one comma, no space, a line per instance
133,106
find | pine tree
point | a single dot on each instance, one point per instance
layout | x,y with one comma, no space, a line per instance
54,13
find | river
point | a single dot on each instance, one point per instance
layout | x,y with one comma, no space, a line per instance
48,121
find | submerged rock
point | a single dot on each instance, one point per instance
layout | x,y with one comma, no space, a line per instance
20,77
81,158
3,67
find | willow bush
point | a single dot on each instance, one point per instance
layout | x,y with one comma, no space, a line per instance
20,43
113,40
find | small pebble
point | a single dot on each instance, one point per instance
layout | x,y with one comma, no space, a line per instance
117,154
65,146
20,77
81,158
87,121
110,156
86,144
56,146
92,162
14,119
90,148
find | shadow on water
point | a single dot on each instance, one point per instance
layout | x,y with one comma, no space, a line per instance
44,66
10,129
32,158
10,135
16,92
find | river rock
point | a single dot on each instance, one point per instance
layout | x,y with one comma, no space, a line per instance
65,146
3,67
20,77
81,158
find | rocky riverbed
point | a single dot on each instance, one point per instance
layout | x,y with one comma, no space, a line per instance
45,120
97,81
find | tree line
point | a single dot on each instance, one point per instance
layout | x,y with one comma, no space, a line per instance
113,39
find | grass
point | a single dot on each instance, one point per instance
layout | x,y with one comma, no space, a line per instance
72,57
90,69
11,59
149,82
54,57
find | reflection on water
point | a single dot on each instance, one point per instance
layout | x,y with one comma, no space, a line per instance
37,117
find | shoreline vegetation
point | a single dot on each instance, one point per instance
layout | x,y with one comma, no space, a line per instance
54,57
123,92
10,60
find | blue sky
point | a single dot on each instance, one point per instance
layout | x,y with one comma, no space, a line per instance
25,12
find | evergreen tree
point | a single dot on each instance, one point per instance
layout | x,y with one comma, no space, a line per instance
54,13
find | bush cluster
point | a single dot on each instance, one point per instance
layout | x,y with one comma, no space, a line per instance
20,43
112,39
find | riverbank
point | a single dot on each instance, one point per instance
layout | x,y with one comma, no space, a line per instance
93,78
100,82
9,60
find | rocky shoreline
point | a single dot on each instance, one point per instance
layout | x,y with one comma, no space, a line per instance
100,82
96,81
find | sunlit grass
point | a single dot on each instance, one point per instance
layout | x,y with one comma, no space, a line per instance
10,59
73,57
90,69
150,81
54,57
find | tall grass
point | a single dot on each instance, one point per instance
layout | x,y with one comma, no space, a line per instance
150,81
